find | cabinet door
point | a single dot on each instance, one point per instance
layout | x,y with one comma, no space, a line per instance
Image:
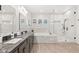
32,40
30,43
22,47
16,50
27,46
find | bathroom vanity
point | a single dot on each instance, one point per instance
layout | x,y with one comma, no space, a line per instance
24,45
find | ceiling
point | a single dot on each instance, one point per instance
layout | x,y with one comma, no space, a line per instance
47,8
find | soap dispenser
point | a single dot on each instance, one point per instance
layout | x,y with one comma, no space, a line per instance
12,35
18,34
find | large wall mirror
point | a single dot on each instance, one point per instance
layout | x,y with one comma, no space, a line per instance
12,20
6,20
22,22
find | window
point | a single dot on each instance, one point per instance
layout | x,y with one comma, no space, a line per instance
34,20
40,21
45,21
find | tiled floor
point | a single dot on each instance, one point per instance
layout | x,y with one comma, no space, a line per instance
56,48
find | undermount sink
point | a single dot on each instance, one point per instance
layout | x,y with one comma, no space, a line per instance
13,41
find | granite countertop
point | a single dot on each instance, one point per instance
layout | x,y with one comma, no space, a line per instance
6,48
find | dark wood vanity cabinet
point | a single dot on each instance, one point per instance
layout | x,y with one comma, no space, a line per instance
22,47
30,43
15,51
25,46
